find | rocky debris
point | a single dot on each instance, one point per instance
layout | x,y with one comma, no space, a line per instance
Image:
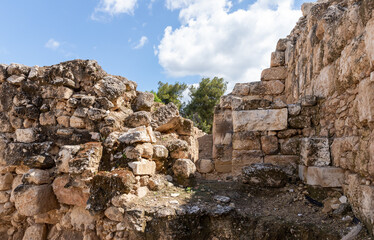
264,175
144,101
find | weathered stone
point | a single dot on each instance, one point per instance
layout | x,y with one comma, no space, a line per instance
138,119
177,148
290,146
47,119
52,217
144,101
110,87
163,114
277,59
15,80
18,69
264,175
143,167
26,135
4,196
179,125
160,152
145,149
282,44
36,176
106,185
68,194
365,98
36,232
315,152
137,135
260,120
96,114
33,155
308,101
142,191
64,121
299,122
253,104
294,109
282,160
275,73
88,101
6,181
66,154
322,176
115,214
205,166
57,93
242,158
31,200
184,168
269,144
87,160
77,122
246,141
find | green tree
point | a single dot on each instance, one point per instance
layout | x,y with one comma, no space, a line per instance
203,100
156,98
171,92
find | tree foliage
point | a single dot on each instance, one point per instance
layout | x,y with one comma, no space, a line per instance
156,98
203,100
171,92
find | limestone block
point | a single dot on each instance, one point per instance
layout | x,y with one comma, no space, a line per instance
145,149
324,83
37,176
16,80
160,152
322,176
66,153
275,73
222,166
164,113
31,200
64,121
294,109
177,148
88,101
315,152
282,160
230,101
179,125
115,213
264,175
246,157
96,114
138,119
299,122
240,89
57,92
365,98
27,135
369,42
87,160
137,135
77,122
184,168
110,87
290,146
18,69
253,104
69,195
47,118
246,141
144,101
81,219
36,232
269,144
205,165
6,181
260,120
277,59
282,44
143,167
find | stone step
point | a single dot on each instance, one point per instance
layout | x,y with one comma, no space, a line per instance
322,176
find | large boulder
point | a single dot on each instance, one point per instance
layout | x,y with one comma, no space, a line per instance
184,168
144,101
178,148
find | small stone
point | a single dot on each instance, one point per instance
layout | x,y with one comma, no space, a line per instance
205,165
47,118
160,152
222,199
6,181
36,232
77,122
143,167
16,80
178,148
144,101
25,135
142,192
115,213
294,109
264,175
343,199
36,176
174,194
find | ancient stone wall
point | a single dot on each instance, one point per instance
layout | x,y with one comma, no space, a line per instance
76,143
313,107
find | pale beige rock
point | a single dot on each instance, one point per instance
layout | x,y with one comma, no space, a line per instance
16,80
66,154
275,73
69,195
365,98
369,42
145,150
277,59
244,141
4,196
37,176
6,181
77,122
323,176
81,219
137,135
59,92
64,121
25,135
115,213
323,85
36,232
142,191
205,165
160,152
143,167
184,168
34,199
47,119
260,120
315,152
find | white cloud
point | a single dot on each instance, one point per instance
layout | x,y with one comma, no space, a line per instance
52,44
142,41
111,8
214,41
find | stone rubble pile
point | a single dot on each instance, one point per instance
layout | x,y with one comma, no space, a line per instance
75,142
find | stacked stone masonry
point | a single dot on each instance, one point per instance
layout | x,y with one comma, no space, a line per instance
313,108
72,139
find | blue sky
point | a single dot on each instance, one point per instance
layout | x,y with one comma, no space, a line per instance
149,40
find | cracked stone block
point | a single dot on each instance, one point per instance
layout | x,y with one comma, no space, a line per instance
260,120
315,152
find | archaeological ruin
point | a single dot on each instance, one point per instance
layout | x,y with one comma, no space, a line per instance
84,155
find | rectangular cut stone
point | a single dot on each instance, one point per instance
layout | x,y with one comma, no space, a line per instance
245,157
27,135
223,166
324,176
260,120
274,73
315,152
365,98
303,170
246,141
143,167
282,160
